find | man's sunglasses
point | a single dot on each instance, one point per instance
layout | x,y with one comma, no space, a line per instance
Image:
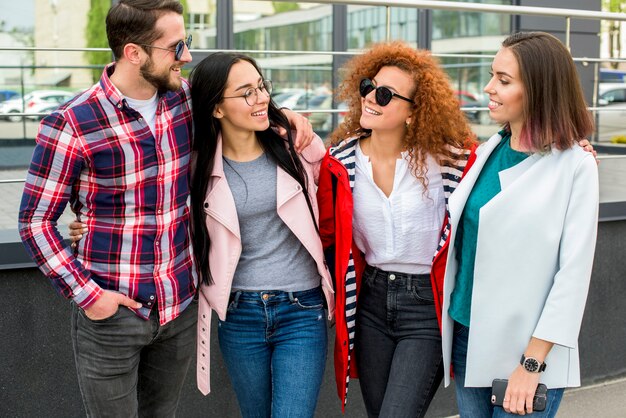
178,50
383,94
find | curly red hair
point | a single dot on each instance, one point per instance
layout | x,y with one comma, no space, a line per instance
436,120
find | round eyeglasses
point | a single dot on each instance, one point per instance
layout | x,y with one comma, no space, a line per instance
251,95
383,94
178,50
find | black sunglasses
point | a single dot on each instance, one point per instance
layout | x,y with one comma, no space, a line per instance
383,94
178,50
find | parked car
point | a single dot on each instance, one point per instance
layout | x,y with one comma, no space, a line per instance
609,75
322,122
320,102
37,101
468,101
296,99
7,94
612,121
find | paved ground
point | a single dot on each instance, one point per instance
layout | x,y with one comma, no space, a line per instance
604,400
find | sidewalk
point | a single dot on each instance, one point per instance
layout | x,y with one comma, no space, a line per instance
602,400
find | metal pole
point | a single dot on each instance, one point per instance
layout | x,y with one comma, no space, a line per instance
596,115
22,89
568,27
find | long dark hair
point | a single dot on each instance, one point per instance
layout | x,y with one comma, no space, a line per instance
208,82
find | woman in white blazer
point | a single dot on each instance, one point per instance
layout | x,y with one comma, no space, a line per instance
524,222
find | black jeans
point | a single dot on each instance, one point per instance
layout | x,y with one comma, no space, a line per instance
398,343
129,367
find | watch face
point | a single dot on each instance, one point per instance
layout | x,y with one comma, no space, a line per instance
531,364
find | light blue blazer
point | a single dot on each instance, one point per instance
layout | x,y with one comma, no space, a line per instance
535,249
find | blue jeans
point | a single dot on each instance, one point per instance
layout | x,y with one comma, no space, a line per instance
397,343
129,367
476,402
274,347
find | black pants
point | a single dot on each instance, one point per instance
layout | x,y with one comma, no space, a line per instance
398,343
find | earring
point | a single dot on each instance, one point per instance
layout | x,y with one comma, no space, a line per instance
407,124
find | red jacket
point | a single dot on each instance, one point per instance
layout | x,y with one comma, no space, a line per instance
345,260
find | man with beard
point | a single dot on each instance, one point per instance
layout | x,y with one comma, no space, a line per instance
119,153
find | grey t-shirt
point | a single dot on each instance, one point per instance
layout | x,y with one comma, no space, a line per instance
272,257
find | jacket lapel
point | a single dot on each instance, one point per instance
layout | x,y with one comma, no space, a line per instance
510,175
220,201
460,195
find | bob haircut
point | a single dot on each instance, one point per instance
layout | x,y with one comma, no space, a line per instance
554,108
436,119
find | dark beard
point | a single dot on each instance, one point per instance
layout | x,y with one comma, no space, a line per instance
162,83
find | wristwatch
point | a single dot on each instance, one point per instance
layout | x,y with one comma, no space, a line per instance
532,365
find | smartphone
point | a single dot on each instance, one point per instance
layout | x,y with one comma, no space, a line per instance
498,389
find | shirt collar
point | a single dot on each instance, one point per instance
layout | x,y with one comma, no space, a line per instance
110,91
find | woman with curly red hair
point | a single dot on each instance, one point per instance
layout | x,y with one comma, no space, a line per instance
383,195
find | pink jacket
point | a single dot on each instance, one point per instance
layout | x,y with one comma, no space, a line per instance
223,227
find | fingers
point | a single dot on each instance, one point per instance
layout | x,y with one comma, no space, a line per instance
529,402
76,232
282,131
126,301
518,404
304,134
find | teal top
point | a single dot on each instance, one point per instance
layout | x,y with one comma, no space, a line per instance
486,187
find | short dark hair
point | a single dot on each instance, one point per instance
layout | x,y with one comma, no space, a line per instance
555,112
133,21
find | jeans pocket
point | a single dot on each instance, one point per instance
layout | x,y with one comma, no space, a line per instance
232,306
312,301
423,295
103,320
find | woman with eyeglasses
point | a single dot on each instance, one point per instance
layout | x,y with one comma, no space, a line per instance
256,242
383,195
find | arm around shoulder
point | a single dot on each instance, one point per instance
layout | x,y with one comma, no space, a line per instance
313,155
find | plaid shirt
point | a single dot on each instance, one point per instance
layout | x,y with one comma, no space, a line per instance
131,189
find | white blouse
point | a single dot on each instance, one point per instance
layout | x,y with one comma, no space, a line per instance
400,232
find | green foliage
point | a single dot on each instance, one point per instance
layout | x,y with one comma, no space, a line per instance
281,6
614,28
616,6
618,139
185,12
95,34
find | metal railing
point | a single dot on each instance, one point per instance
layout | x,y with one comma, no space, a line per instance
567,14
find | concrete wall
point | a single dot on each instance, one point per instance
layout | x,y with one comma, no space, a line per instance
37,375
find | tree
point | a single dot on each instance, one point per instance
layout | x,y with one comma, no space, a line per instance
185,12
614,28
95,34
281,7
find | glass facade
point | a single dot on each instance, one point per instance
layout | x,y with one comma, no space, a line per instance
367,25
295,41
